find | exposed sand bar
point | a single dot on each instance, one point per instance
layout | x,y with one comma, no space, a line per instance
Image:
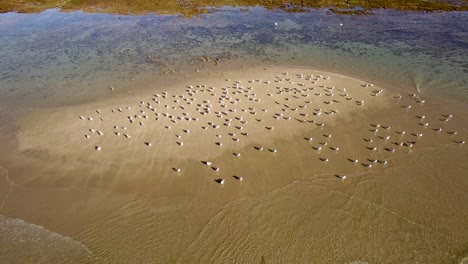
281,162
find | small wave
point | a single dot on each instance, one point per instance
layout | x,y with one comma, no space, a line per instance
23,242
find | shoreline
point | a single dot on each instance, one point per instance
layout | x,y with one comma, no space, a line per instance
145,82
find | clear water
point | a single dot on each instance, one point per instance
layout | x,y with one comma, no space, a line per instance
30,241
61,58
55,57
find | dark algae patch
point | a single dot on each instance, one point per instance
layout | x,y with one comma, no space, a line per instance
194,7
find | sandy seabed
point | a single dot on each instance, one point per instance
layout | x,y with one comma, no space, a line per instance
259,165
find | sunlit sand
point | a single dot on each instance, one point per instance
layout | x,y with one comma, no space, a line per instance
277,155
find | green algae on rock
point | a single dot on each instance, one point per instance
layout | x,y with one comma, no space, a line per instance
197,7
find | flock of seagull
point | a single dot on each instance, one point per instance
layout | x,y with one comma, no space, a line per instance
229,112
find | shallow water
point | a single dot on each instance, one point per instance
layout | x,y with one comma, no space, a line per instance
56,58
29,241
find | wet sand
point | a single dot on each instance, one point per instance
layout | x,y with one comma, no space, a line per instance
277,164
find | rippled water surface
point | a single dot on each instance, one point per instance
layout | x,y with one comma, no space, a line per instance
55,57
83,208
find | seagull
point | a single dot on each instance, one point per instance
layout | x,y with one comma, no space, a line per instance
238,177
220,181
408,144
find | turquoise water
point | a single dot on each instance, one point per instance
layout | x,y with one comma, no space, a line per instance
54,56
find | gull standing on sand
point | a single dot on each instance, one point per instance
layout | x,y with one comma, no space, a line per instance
220,181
